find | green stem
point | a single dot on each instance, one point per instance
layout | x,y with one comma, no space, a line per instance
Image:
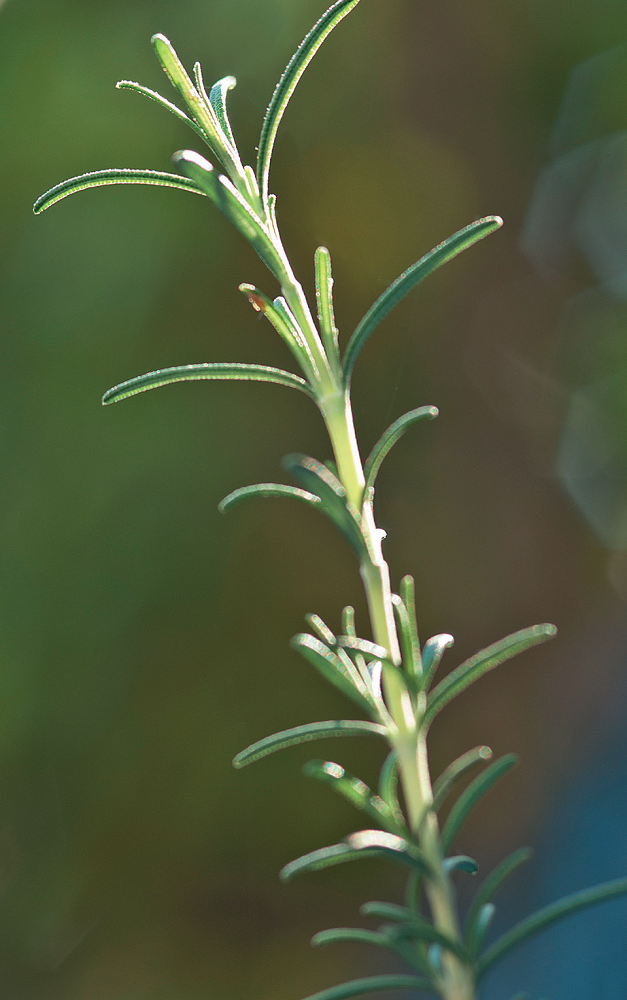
457,980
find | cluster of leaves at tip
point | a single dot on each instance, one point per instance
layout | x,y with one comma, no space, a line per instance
352,664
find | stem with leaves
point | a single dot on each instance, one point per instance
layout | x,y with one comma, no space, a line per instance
391,676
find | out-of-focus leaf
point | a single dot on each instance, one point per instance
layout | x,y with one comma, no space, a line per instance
342,934
304,734
389,438
228,371
409,279
479,664
446,781
390,845
99,178
480,928
373,984
420,930
472,795
364,844
387,911
461,863
266,490
491,885
549,915
288,82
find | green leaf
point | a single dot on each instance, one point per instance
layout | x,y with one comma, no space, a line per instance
387,911
316,623
201,112
228,199
480,928
445,783
282,321
304,734
348,621
354,790
432,653
472,795
341,934
370,649
324,301
492,883
228,370
318,479
388,786
154,96
549,915
409,279
420,930
460,863
364,844
379,843
287,84
343,676
373,984
479,664
389,438
217,99
99,178
266,490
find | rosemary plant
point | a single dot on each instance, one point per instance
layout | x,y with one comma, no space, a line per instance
390,678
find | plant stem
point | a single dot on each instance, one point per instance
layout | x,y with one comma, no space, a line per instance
456,981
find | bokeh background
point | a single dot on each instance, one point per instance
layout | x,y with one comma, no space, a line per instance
143,637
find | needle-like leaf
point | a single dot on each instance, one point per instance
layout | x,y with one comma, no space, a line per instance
122,175
479,664
364,844
266,490
539,921
388,786
341,934
324,301
389,438
373,984
387,911
472,795
355,791
282,321
445,783
460,863
227,371
287,84
231,203
217,99
304,734
317,478
491,885
480,928
409,279
432,653
154,96
343,675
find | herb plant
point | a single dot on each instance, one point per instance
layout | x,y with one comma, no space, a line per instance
390,678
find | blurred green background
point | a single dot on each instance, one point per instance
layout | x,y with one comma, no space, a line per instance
143,638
